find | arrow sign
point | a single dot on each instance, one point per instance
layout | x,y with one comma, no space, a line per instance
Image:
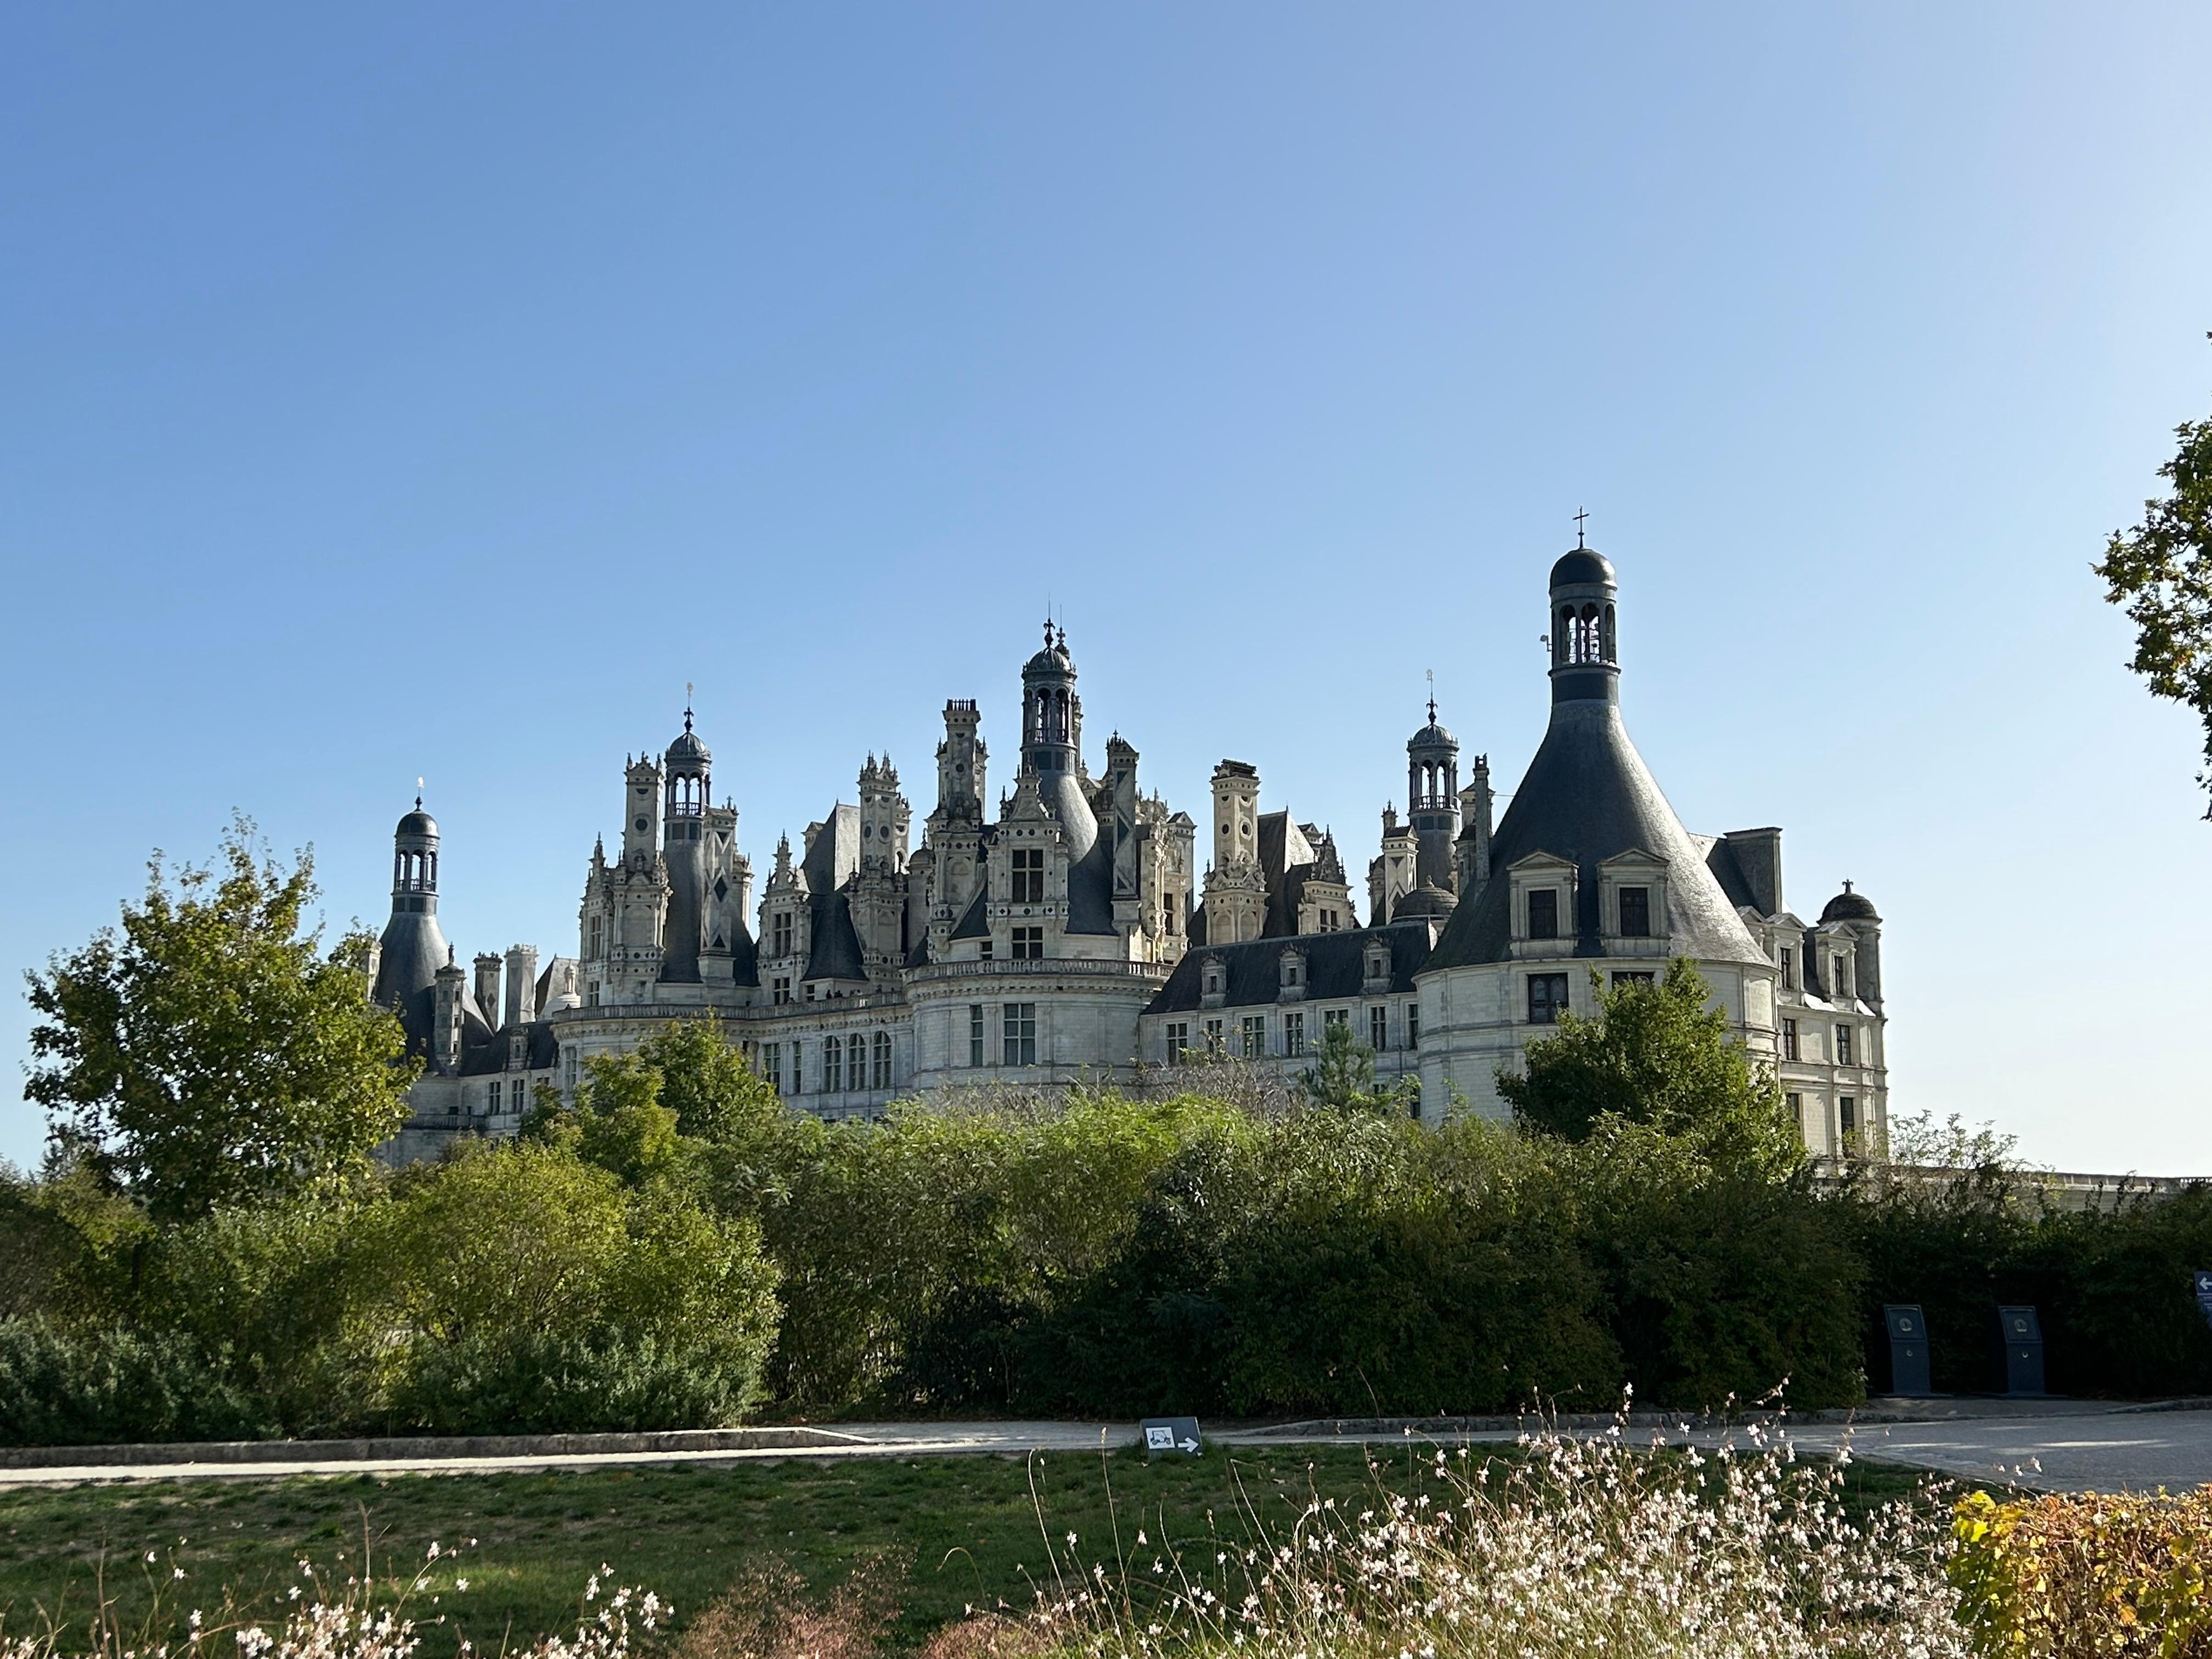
1172,1436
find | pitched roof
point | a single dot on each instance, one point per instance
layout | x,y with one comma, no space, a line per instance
1588,797
836,948
1336,967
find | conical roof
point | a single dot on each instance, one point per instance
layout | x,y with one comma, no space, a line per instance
1589,797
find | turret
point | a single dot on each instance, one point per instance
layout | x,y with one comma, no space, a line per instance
885,818
1433,800
1585,649
412,949
960,762
1236,885
1052,741
685,791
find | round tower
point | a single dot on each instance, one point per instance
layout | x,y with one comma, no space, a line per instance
1585,655
412,949
685,780
1433,800
1052,741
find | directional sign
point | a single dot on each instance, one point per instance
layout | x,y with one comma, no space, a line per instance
1171,1437
2204,1292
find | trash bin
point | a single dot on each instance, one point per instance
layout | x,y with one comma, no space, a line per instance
1908,1349
2021,1334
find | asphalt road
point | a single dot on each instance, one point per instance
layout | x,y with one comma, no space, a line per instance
2076,1448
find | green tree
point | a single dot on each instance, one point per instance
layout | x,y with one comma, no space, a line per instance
2162,571
705,1081
1342,1076
211,1050
1656,1055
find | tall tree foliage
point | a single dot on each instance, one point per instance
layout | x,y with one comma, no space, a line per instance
2162,571
1658,1055
210,1050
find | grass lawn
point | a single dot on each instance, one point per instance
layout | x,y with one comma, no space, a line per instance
964,1529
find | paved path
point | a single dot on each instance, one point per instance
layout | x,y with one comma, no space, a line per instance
2068,1450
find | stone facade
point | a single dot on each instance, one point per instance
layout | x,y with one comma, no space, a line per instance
1072,936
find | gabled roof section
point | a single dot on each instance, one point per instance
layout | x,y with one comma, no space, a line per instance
833,849
1336,968
1586,797
974,924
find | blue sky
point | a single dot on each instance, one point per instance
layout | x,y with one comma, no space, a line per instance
437,390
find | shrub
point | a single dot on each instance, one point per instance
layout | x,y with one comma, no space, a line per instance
522,1288
2056,1577
102,1386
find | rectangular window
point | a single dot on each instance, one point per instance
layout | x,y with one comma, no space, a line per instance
568,1069
1844,1045
833,1065
1547,998
974,1034
1335,1017
1019,1033
1028,876
1544,913
1378,1029
1630,976
594,949
592,994
1294,1034
984,952
1213,1036
1843,989
781,933
1636,912
517,1093
1847,1119
1797,1116
1178,1047
1255,1035
1789,1039
781,991
1029,944
798,1067
1788,969
772,1065
1168,917
1413,1025
881,1051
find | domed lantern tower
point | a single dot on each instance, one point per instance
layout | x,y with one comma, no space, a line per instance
686,777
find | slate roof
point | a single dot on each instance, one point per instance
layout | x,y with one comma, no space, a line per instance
1587,797
836,948
1336,968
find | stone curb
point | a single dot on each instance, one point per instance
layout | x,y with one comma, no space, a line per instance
419,1446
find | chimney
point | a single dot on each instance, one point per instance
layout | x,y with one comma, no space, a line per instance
1758,854
446,1024
487,986
521,984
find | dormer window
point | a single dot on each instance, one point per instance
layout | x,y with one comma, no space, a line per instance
1544,913
1027,886
780,933
1788,969
1636,912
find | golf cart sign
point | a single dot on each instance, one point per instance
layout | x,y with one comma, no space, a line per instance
1171,1437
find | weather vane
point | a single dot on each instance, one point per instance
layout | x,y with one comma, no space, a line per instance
687,705
418,795
1432,696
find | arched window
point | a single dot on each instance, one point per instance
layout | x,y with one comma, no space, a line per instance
883,1058
1605,639
833,1065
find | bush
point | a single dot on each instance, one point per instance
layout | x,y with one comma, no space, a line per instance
103,1386
2056,1577
519,1288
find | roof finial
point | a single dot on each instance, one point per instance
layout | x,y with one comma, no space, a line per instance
1847,884
1432,696
418,795
1579,516
687,705
1048,633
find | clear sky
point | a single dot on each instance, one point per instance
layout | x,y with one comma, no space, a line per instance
434,389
